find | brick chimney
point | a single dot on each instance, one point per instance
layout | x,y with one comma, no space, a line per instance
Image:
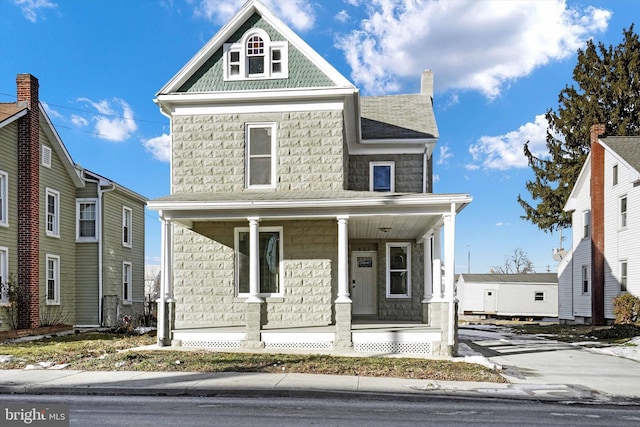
597,227
28,201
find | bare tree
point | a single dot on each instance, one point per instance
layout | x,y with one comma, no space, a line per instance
516,263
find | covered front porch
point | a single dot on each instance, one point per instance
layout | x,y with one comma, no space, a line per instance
317,304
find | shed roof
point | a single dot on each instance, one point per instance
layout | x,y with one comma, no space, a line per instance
548,278
398,117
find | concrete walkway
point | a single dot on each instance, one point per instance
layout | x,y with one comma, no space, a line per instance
538,369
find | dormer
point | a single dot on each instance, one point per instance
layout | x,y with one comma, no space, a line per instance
256,56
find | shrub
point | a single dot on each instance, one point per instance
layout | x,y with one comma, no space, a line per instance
626,307
16,297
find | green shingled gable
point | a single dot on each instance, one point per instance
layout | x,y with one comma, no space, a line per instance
302,72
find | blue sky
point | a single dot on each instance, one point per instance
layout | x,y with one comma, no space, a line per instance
498,66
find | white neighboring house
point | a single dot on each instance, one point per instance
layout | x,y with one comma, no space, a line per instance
604,259
508,295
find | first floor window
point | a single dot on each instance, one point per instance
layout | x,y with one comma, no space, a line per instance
382,176
270,254
623,276
615,175
86,212
127,215
53,279
53,213
4,198
398,270
126,281
585,279
4,275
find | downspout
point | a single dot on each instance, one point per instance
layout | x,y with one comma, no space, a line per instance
424,171
101,191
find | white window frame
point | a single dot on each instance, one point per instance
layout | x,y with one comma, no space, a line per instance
586,224
614,174
127,277
46,156
4,275
52,222
623,213
406,270
623,269
278,230
4,198
127,227
96,220
52,276
248,156
586,273
392,179
242,64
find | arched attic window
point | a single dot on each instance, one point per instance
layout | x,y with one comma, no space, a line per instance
255,57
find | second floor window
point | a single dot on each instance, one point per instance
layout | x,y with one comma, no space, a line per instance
586,223
623,212
615,175
254,57
53,213
86,212
4,198
127,215
260,155
382,176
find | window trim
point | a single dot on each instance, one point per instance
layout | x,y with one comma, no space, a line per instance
392,178
127,279
269,47
247,132
586,280
127,229
388,269
236,244
96,220
623,271
55,232
4,275
4,198
623,215
56,279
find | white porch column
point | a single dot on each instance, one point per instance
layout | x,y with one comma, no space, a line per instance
254,261
449,275
428,267
438,291
166,282
343,260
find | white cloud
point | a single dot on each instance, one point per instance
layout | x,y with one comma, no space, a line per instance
506,151
50,111
342,16
31,8
435,178
111,125
79,121
297,13
479,45
445,155
159,146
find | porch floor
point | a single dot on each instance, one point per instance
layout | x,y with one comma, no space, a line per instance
371,337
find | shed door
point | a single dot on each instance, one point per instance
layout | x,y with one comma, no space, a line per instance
490,300
364,280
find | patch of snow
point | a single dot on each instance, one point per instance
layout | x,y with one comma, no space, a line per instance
5,358
630,350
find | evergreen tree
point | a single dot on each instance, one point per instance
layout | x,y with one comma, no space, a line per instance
608,91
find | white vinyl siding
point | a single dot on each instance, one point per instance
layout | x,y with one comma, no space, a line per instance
52,270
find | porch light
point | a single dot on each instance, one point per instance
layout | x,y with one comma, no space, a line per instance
385,229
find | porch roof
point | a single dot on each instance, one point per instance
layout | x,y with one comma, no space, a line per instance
371,214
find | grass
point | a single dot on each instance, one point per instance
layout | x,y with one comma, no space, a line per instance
106,352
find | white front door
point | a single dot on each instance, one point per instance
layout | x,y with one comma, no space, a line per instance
364,281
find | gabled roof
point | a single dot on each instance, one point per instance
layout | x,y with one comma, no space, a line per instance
626,149
583,179
105,182
250,8
539,278
10,112
398,116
